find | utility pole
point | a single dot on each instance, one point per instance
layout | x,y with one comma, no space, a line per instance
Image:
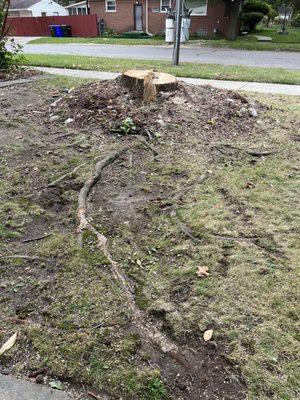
177,32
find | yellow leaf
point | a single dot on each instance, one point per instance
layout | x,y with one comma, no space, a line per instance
202,272
10,342
208,335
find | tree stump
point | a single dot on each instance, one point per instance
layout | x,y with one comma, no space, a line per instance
147,83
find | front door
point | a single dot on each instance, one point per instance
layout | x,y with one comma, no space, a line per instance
138,17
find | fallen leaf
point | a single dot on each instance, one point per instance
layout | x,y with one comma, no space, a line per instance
208,335
202,272
56,385
93,395
10,342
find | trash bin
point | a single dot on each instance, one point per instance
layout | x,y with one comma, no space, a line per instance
56,30
67,30
52,30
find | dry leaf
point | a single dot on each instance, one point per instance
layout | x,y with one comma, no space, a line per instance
208,335
7,345
202,272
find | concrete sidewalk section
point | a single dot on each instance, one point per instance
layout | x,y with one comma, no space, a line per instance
271,88
16,389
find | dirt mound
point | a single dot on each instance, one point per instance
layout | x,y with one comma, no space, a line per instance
203,111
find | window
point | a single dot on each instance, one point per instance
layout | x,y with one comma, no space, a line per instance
55,13
110,5
43,14
164,5
199,7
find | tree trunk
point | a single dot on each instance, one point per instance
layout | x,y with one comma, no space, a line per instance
234,20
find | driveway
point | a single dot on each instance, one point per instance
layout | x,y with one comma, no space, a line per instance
201,54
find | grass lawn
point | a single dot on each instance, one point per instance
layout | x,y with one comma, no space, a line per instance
191,70
290,42
100,40
71,314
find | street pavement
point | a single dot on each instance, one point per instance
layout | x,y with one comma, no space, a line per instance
198,54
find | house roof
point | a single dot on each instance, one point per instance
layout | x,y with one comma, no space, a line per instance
22,4
81,3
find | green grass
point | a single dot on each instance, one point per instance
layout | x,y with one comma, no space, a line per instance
191,70
290,42
101,40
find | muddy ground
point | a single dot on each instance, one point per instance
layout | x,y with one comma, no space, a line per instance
162,221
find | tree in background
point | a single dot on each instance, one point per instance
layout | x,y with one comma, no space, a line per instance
272,14
253,13
234,8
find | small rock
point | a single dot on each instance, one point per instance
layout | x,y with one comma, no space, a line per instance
252,112
69,121
54,118
229,100
55,103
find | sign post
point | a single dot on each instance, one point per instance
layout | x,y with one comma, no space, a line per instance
177,32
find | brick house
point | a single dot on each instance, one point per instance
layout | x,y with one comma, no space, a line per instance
149,15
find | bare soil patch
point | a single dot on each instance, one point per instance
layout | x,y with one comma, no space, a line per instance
20,73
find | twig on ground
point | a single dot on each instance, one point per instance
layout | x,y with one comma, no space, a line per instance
146,144
76,142
36,238
60,136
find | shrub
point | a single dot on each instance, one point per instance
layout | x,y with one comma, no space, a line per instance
251,19
9,59
110,32
256,6
296,20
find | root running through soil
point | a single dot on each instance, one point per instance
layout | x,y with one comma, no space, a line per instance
148,332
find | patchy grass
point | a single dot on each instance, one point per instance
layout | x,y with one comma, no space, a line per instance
72,316
290,42
190,70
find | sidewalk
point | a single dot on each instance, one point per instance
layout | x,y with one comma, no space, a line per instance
270,88
17,389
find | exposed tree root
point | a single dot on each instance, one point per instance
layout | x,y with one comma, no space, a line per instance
148,332
67,175
251,152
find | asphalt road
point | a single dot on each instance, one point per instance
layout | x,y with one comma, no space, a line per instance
268,59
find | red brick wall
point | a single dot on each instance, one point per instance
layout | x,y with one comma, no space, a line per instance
123,19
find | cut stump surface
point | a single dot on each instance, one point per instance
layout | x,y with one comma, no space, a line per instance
148,82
